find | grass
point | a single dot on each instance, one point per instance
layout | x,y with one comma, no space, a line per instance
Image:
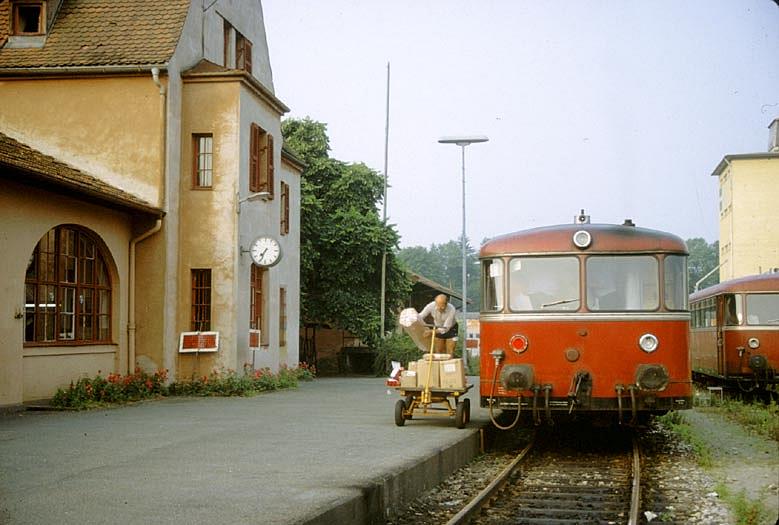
676,423
755,417
746,511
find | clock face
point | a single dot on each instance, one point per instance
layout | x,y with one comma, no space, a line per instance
265,251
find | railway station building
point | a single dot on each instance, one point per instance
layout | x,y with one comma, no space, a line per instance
140,157
748,215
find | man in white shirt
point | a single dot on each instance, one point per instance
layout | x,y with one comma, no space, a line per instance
445,327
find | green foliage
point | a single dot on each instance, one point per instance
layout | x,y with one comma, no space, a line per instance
116,388
756,417
443,263
704,257
343,239
676,423
397,347
746,511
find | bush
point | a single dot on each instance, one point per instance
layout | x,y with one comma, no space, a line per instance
100,391
397,347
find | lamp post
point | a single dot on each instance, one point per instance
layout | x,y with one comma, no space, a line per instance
464,141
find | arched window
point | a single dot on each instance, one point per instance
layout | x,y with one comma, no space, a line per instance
67,290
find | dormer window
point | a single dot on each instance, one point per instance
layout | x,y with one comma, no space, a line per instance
29,18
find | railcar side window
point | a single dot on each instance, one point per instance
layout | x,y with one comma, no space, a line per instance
492,282
733,313
622,283
544,284
675,270
763,308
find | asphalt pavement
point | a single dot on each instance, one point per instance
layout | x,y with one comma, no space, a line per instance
328,451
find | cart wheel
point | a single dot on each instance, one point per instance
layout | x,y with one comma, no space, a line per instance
459,415
400,407
467,403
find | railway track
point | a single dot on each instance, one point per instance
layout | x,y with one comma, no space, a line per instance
579,476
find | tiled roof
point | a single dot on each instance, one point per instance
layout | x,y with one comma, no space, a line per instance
103,33
38,167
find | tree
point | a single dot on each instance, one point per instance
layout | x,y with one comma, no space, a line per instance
704,257
343,239
443,264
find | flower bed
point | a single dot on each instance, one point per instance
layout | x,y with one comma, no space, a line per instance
101,391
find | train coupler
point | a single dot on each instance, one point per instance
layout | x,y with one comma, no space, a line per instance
580,383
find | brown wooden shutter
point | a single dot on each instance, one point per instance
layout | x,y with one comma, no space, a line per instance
254,159
247,56
270,180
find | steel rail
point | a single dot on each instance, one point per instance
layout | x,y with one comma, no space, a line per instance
483,497
635,494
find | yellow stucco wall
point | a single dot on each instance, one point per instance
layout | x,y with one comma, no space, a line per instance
749,218
26,214
108,127
207,226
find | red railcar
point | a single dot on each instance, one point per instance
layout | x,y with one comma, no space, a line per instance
734,333
585,318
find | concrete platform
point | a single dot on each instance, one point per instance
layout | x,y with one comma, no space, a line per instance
328,452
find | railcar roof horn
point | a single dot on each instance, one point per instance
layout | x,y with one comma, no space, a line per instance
582,218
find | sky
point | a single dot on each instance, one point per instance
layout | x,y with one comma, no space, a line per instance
622,108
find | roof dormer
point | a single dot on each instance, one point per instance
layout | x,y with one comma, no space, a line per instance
29,22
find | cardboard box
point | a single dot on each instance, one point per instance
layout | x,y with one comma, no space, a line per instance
452,374
412,366
408,379
424,368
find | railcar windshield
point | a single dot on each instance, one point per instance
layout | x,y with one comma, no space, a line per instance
763,309
492,285
544,284
675,271
622,283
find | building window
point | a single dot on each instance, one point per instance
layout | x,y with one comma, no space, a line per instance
67,290
282,317
284,208
257,306
243,53
201,300
261,169
203,160
28,18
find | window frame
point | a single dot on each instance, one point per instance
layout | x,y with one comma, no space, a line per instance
196,169
498,290
201,299
15,18
57,281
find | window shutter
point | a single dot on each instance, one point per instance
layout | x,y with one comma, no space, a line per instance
254,159
270,180
247,56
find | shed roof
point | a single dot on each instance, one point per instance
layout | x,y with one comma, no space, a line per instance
103,33
30,166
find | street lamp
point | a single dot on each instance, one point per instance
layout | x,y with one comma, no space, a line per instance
464,141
